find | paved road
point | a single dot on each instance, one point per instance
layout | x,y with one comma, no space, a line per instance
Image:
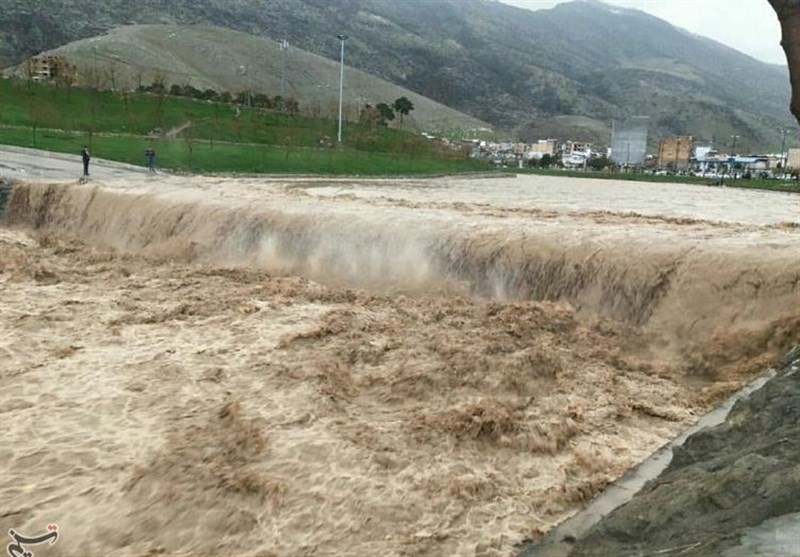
24,164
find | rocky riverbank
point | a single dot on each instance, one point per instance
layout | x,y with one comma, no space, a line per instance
730,490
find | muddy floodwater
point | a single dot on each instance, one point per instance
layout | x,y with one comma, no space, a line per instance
303,366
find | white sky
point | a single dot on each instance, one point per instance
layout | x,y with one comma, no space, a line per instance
749,26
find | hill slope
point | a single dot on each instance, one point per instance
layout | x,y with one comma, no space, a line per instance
226,60
513,67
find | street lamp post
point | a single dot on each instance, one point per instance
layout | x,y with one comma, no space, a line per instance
732,155
243,71
342,39
733,144
783,131
627,156
284,47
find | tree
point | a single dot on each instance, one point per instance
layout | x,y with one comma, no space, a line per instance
599,163
191,91
39,114
546,160
67,76
386,113
369,115
261,100
789,16
159,85
403,106
112,72
291,105
125,97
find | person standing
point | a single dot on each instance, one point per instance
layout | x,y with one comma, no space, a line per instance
86,158
150,155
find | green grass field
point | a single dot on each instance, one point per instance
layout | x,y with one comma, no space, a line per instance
762,184
199,136
202,156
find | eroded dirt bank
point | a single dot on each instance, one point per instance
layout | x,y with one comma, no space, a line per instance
732,490
170,384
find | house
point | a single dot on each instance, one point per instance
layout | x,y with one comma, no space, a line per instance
675,152
571,147
535,151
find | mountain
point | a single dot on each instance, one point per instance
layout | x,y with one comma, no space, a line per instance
567,70
226,60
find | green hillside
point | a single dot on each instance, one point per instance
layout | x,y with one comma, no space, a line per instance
513,68
226,60
203,136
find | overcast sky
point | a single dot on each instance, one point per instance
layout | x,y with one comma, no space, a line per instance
749,26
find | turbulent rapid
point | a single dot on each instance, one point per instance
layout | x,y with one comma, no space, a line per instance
404,367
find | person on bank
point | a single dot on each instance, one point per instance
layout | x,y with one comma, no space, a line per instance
150,155
86,158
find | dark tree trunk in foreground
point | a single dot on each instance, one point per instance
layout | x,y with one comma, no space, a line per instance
789,15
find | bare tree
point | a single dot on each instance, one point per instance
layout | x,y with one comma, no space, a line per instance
789,15
112,72
90,77
30,71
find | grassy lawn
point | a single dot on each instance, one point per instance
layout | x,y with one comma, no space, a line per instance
762,184
205,156
86,110
200,136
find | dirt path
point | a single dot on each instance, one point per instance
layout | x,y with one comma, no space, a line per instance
174,132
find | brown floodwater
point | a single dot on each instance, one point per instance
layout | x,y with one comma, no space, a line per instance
302,366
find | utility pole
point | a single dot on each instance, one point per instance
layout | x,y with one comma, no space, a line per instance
732,156
342,39
783,131
677,151
733,144
96,86
284,49
247,83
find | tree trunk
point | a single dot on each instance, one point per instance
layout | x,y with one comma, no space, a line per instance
789,15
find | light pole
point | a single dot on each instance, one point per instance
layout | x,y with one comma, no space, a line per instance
342,39
677,151
733,144
243,70
284,47
627,156
783,131
731,159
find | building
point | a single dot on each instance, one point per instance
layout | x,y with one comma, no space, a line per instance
629,140
793,159
46,67
544,147
571,147
536,151
675,153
